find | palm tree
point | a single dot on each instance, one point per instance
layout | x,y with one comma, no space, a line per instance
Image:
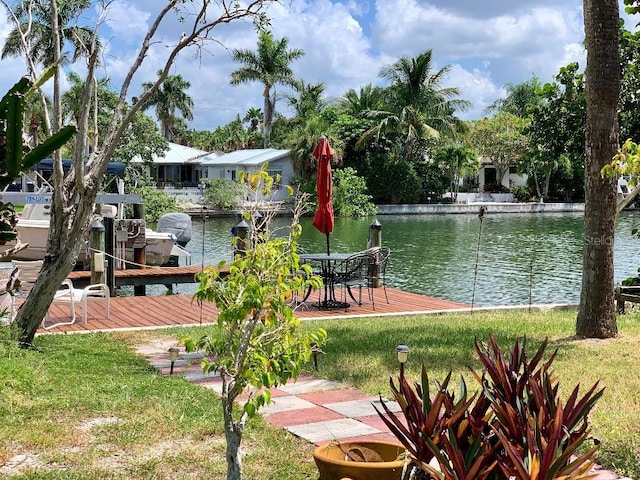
269,66
303,138
414,85
34,18
254,117
418,107
369,98
169,98
597,313
309,100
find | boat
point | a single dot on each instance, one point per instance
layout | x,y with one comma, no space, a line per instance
160,247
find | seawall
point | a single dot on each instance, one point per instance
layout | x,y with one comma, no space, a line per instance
472,208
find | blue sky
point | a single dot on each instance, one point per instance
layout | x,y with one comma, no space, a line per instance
488,44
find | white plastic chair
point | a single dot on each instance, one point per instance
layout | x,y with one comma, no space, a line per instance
80,296
66,295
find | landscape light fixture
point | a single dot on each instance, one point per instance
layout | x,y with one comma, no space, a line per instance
403,353
173,356
315,350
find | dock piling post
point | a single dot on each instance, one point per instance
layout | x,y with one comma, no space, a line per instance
97,252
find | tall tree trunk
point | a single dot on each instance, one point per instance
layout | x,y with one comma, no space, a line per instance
547,181
269,106
596,317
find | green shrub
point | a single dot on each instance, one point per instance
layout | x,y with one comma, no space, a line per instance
521,193
156,203
224,194
350,197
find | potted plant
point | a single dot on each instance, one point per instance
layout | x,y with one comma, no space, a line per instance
361,460
514,427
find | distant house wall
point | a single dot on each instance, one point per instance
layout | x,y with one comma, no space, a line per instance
229,167
487,175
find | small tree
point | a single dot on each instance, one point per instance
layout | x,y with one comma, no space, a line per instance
223,193
350,197
501,139
255,343
457,161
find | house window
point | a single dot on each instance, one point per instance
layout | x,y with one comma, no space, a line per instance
277,177
513,170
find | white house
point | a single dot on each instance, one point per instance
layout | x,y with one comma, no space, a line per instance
229,165
487,175
177,167
181,169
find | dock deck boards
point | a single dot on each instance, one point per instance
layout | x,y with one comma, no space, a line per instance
129,313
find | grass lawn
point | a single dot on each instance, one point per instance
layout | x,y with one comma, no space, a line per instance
86,407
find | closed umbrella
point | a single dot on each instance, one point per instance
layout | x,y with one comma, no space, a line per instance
323,218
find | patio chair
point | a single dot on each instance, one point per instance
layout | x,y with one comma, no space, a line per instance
355,272
379,270
68,295
29,270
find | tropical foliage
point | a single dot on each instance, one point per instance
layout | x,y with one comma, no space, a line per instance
169,98
350,198
516,426
270,65
35,17
500,139
224,194
156,202
556,158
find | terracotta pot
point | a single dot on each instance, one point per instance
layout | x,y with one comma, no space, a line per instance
385,460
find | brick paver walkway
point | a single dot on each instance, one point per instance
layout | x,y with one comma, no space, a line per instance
314,409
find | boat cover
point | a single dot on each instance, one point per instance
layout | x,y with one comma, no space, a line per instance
177,223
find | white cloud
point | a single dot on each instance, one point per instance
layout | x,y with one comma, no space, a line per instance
346,42
127,22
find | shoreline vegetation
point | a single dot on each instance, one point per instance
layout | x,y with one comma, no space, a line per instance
87,406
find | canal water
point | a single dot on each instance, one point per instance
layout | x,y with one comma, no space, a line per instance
521,258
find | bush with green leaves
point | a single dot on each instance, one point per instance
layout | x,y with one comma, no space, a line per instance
224,194
521,193
350,198
156,203
515,427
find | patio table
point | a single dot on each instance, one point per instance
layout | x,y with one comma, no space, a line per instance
327,272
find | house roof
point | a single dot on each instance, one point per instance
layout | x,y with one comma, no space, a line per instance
245,157
177,154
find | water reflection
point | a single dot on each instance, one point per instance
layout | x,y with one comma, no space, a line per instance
521,258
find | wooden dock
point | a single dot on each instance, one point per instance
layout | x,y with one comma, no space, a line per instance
143,276
134,313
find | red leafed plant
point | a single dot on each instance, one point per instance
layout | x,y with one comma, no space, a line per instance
515,427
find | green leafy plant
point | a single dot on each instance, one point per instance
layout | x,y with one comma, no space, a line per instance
350,198
16,157
515,427
223,193
256,343
156,203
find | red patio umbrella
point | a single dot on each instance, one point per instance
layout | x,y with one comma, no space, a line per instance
323,218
